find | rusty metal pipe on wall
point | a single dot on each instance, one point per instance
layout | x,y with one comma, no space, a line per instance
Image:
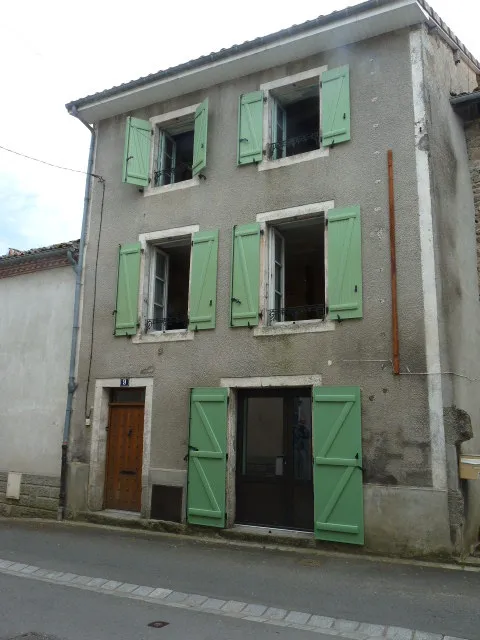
393,266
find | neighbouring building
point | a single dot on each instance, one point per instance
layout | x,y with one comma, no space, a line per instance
235,362
36,297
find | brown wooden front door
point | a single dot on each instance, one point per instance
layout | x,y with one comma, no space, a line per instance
123,483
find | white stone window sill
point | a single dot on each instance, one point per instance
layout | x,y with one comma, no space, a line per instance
186,184
265,165
289,328
163,336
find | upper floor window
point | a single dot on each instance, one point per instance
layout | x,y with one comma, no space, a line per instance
167,150
295,118
168,290
296,270
174,152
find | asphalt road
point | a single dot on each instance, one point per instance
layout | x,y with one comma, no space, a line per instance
33,607
434,600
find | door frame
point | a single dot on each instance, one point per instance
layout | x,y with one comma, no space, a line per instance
98,443
233,384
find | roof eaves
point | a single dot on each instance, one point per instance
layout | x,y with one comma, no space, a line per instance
249,45
231,51
41,252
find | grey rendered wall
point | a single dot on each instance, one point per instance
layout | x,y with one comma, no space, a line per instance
394,409
35,336
456,274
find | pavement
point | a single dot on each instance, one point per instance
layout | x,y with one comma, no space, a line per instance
73,581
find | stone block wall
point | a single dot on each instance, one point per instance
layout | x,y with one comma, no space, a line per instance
472,133
38,497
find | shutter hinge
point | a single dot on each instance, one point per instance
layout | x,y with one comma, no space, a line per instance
226,456
265,98
260,315
326,222
262,232
326,310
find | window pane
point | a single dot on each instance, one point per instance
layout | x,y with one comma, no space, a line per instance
158,312
264,446
278,302
161,263
278,249
169,147
278,278
302,439
159,291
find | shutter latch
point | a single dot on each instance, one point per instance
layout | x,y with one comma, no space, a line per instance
236,300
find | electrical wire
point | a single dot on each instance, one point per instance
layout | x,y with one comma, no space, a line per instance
55,166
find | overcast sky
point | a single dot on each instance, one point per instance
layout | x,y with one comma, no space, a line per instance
55,51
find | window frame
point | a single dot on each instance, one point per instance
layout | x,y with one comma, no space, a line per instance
269,120
156,251
158,124
267,222
150,242
164,137
275,234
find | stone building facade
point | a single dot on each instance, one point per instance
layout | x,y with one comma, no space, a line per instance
235,362
36,293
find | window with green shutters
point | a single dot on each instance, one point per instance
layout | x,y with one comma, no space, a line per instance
203,281
136,157
250,128
245,276
335,106
167,149
200,138
126,314
294,118
179,284
337,455
182,283
207,457
344,264
312,268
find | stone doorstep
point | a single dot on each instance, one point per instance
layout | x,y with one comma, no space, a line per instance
245,537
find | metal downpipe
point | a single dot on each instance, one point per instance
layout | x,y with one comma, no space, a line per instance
75,329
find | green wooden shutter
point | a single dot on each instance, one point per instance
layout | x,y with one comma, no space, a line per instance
200,138
335,96
245,275
337,451
126,315
136,158
203,281
207,459
344,240
250,128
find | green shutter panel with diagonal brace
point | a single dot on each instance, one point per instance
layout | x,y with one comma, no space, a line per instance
207,458
337,453
126,315
203,280
136,158
245,275
250,128
344,240
335,96
200,138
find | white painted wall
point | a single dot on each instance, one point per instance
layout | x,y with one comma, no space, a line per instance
36,315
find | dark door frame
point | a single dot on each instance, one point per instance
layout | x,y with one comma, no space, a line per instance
286,482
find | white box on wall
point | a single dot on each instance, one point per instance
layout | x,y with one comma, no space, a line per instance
14,481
